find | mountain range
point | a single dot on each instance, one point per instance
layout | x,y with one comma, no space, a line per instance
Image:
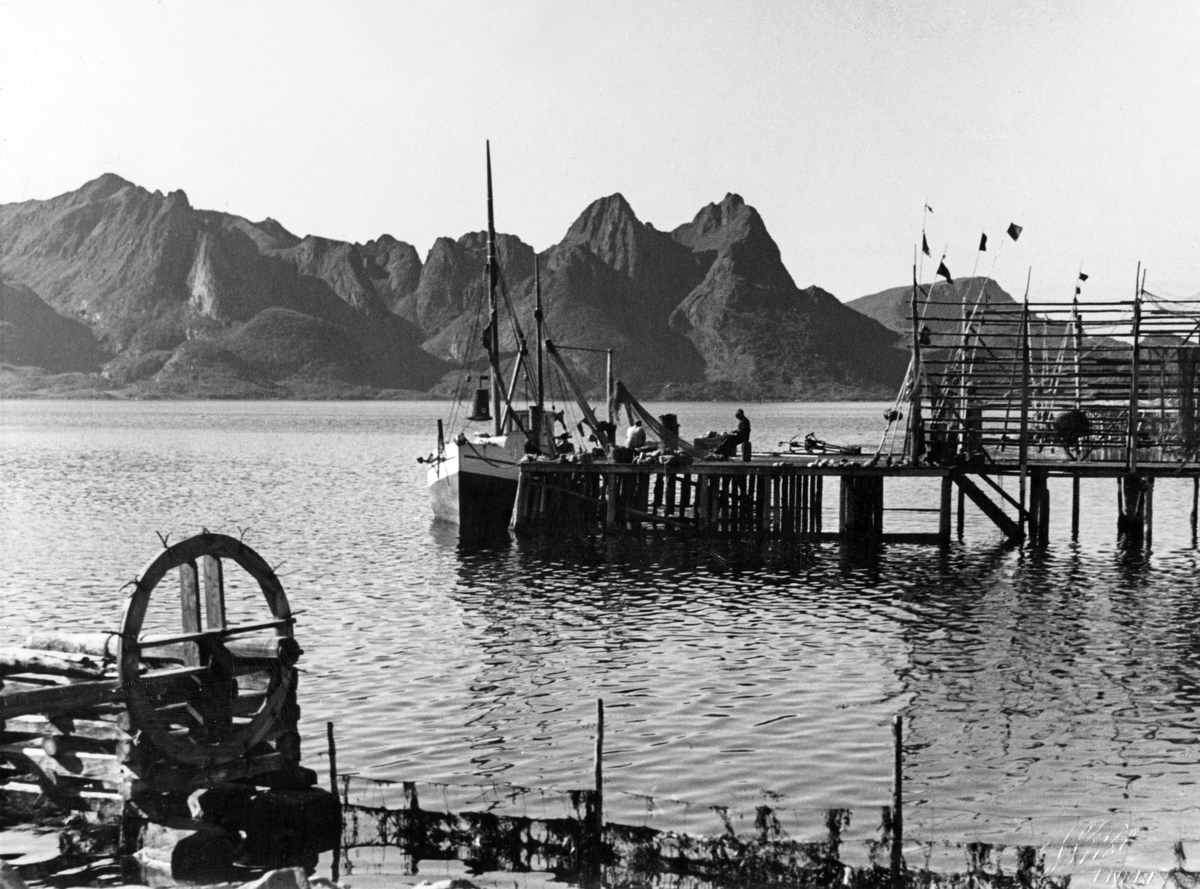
116,289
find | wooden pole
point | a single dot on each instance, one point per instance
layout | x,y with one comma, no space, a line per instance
1075,506
598,827
543,437
333,773
944,517
962,505
493,303
1195,506
1077,332
1149,512
1131,441
608,385
916,424
897,800
1024,439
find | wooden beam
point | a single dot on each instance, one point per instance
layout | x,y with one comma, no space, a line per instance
1012,530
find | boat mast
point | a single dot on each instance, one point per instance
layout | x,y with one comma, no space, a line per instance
494,320
537,317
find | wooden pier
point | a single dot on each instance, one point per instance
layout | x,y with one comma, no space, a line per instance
1030,393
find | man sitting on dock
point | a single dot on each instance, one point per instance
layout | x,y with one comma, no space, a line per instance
739,438
635,436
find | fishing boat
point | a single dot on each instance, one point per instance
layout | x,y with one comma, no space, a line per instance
473,477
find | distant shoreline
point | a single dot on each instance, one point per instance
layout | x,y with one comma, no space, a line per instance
38,384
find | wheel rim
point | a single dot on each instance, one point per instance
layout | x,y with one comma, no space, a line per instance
187,712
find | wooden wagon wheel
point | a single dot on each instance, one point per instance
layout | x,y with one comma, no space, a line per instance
188,711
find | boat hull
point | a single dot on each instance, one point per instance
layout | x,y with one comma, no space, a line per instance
475,486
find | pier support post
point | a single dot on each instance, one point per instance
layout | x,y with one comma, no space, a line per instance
862,509
897,802
611,504
944,514
1195,506
1075,507
1039,509
1132,499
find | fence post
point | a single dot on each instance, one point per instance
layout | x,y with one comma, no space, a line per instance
335,866
898,801
598,817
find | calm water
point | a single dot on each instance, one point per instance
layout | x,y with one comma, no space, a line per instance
1051,698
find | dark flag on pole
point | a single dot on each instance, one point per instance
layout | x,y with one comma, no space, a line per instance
924,245
1077,290
1082,276
928,208
983,243
487,340
945,272
1014,231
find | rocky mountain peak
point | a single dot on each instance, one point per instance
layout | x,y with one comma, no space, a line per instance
611,230
103,186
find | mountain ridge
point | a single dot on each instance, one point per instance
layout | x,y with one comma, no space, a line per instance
253,310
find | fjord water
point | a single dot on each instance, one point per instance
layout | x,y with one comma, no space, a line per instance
1050,698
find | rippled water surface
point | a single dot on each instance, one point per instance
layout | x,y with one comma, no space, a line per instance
1050,698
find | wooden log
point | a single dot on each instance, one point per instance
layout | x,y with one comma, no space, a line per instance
39,726
77,696
102,767
101,645
28,660
282,649
107,804
165,779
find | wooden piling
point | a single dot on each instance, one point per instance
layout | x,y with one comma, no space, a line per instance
1075,506
333,773
1148,517
598,809
944,513
1131,508
1195,506
897,800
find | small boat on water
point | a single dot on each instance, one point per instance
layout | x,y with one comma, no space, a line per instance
472,478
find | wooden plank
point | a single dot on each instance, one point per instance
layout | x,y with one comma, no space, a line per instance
162,641
1012,530
214,592
189,607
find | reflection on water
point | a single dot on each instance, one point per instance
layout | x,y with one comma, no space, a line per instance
1042,691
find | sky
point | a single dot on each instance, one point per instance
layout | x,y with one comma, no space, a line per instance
839,122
